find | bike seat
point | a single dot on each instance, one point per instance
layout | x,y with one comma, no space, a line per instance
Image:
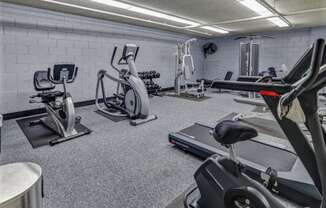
41,81
229,132
51,94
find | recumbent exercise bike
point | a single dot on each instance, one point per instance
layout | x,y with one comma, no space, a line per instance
61,117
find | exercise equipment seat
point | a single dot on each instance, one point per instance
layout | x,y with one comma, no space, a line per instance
230,132
43,84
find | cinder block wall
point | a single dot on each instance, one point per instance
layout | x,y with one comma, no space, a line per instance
2,64
285,48
35,39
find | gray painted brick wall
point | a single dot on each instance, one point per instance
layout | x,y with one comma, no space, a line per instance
285,48
35,39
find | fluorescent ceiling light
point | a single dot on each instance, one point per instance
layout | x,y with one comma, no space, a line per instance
199,32
278,21
215,29
145,11
117,4
163,16
256,7
210,28
107,12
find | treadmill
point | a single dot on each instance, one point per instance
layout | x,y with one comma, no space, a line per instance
266,162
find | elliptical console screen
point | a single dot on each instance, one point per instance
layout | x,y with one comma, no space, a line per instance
130,48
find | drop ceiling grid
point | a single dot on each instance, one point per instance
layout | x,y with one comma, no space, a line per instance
208,11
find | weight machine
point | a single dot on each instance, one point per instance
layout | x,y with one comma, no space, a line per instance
185,69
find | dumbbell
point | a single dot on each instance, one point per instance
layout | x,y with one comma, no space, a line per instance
154,74
141,75
148,75
151,74
151,87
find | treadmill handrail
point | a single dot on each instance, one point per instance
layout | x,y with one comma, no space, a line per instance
252,86
321,79
256,78
314,55
308,80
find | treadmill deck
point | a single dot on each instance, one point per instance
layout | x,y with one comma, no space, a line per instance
265,155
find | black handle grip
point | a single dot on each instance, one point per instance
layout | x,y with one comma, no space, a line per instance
113,55
308,80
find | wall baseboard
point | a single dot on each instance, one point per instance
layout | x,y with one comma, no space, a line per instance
25,113
36,111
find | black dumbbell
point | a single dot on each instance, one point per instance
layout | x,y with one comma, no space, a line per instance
148,75
152,73
141,75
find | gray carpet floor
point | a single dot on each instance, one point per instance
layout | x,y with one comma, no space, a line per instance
119,165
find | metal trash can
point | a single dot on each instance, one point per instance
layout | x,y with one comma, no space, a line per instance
21,185
0,130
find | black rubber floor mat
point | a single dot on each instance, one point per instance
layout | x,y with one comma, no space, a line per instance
38,135
112,118
189,97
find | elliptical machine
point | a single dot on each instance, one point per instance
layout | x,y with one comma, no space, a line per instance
131,98
61,117
223,182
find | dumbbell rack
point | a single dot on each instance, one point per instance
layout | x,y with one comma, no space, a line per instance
148,79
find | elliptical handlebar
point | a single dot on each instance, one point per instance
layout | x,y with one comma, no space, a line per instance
112,59
124,57
129,50
307,81
135,55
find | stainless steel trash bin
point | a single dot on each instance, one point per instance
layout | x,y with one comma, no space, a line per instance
20,185
0,130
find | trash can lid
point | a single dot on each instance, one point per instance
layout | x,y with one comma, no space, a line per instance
17,178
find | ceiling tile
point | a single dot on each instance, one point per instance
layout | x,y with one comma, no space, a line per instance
204,11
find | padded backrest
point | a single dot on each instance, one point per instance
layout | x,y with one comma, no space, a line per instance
228,75
272,71
188,66
41,81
